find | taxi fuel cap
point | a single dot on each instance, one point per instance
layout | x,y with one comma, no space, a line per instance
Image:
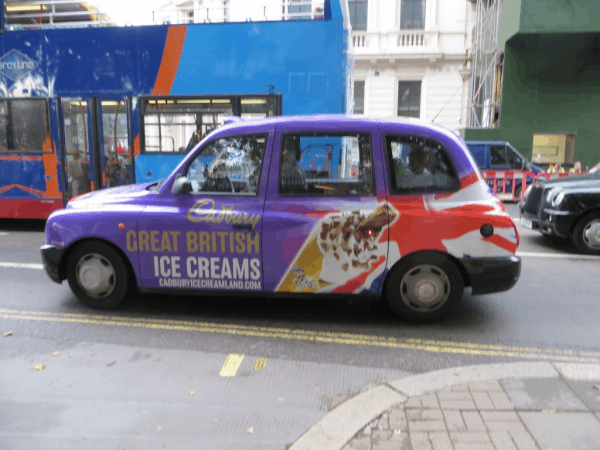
486,230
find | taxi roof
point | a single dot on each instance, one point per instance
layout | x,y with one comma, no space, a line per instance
328,119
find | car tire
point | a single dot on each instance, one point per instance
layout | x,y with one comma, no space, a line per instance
97,275
586,234
424,287
518,192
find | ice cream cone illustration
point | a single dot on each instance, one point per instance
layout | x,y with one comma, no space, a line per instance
340,247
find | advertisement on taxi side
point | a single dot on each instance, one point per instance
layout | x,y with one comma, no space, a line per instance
204,259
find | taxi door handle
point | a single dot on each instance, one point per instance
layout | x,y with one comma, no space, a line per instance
242,226
367,228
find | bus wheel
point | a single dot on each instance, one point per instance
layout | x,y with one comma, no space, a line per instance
424,287
97,275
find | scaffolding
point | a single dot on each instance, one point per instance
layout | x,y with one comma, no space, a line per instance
486,66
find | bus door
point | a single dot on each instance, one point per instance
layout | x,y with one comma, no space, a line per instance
97,143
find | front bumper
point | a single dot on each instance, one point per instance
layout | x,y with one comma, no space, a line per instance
489,275
551,222
51,259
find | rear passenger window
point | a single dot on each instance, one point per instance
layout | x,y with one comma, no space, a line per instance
326,165
419,165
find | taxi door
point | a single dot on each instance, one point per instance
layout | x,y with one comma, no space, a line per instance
210,238
326,215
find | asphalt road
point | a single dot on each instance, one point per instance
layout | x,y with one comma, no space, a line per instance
305,356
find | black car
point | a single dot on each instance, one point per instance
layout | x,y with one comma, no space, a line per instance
568,208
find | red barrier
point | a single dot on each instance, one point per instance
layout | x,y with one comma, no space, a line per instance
498,179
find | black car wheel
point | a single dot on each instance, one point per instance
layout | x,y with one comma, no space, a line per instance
586,234
97,275
424,287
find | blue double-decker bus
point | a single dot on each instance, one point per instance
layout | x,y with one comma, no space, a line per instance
83,109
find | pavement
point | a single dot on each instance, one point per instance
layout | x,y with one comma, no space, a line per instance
509,406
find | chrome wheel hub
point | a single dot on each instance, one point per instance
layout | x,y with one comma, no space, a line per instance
96,275
425,288
591,234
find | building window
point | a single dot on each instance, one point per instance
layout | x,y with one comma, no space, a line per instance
412,15
24,125
359,97
327,165
297,9
409,99
358,14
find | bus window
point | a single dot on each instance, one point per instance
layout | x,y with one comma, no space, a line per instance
24,125
177,125
258,108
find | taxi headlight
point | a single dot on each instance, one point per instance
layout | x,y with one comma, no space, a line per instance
552,193
559,198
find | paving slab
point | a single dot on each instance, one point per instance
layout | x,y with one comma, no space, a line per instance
563,431
542,393
587,393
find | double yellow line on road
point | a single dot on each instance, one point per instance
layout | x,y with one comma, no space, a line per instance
433,346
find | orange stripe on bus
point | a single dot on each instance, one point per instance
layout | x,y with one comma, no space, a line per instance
170,60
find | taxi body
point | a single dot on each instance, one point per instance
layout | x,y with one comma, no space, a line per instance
297,205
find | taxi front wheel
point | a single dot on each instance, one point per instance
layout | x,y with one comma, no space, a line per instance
586,234
97,275
424,287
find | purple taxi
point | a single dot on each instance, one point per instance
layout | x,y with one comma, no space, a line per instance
305,204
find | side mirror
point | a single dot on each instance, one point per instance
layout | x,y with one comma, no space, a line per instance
181,186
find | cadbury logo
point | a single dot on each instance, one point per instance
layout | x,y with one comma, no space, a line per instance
204,211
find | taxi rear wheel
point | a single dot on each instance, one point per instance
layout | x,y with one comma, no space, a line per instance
586,234
97,275
424,287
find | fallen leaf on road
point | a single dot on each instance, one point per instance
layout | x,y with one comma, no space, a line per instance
192,392
290,432
549,411
40,367
7,334
138,432
55,354
362,447
158,428
250,430
596,386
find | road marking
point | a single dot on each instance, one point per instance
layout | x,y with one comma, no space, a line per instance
231,365
260,364
432,346
3,233
557,255
21,265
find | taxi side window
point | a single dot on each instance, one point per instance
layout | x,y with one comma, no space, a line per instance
326,165
230,165
419,165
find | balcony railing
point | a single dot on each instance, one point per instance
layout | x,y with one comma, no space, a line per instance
52,14
296,10
409,41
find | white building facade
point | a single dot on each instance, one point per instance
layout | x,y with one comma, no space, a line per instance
411,59
411,56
